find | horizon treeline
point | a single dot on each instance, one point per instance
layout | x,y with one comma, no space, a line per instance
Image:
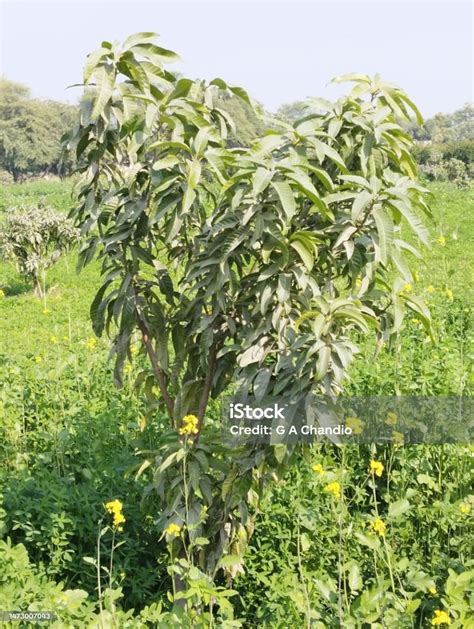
31,130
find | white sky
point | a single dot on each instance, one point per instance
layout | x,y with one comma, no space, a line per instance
279,50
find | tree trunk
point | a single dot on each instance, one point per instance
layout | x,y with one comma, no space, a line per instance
37,287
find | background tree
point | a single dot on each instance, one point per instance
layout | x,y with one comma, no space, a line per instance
248,125
253,267
34,239
30,131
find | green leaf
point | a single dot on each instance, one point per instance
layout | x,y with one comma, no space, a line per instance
369,541
284,286
354,578
324,356
139,38
385,233
399,507
306,253
261,179
105,80
329,152
285,194
230,560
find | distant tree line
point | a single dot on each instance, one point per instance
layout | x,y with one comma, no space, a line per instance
31,132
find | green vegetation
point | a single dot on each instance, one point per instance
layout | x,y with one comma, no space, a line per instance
69,437
34,239
289,266
30,131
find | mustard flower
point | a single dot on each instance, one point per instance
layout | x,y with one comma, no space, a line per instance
334,489
173,530
440,618
464,508
378,526
114,507
449,294
355,424
91,344
397,438
441,240
376,467
318,468
407,288
431,288
392,419
190,425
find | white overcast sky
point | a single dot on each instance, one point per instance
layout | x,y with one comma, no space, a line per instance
279,50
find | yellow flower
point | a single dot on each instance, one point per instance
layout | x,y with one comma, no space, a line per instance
441,240
53,339
392,419
378,526
466,310
38,359
440,618
114,507
376,467
173,530
134,350
334,489
464,507
91,344
65,338
449,294
2,293
355,424
318,468
431,289
128,368
190,425
397,438
432,590
407,288
45,311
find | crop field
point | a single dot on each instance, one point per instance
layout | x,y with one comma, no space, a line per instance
351,536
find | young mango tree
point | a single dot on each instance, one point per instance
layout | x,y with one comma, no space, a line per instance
252,269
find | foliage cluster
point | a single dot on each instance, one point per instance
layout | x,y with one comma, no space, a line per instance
34,239
68,437
30,131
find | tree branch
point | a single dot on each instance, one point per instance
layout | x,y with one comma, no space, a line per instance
159,373
204,399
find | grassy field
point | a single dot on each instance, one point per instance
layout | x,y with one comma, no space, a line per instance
68,438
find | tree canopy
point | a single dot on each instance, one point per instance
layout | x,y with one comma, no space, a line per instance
30,131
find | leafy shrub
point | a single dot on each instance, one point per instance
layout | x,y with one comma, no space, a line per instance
438,168
5,178
34,239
